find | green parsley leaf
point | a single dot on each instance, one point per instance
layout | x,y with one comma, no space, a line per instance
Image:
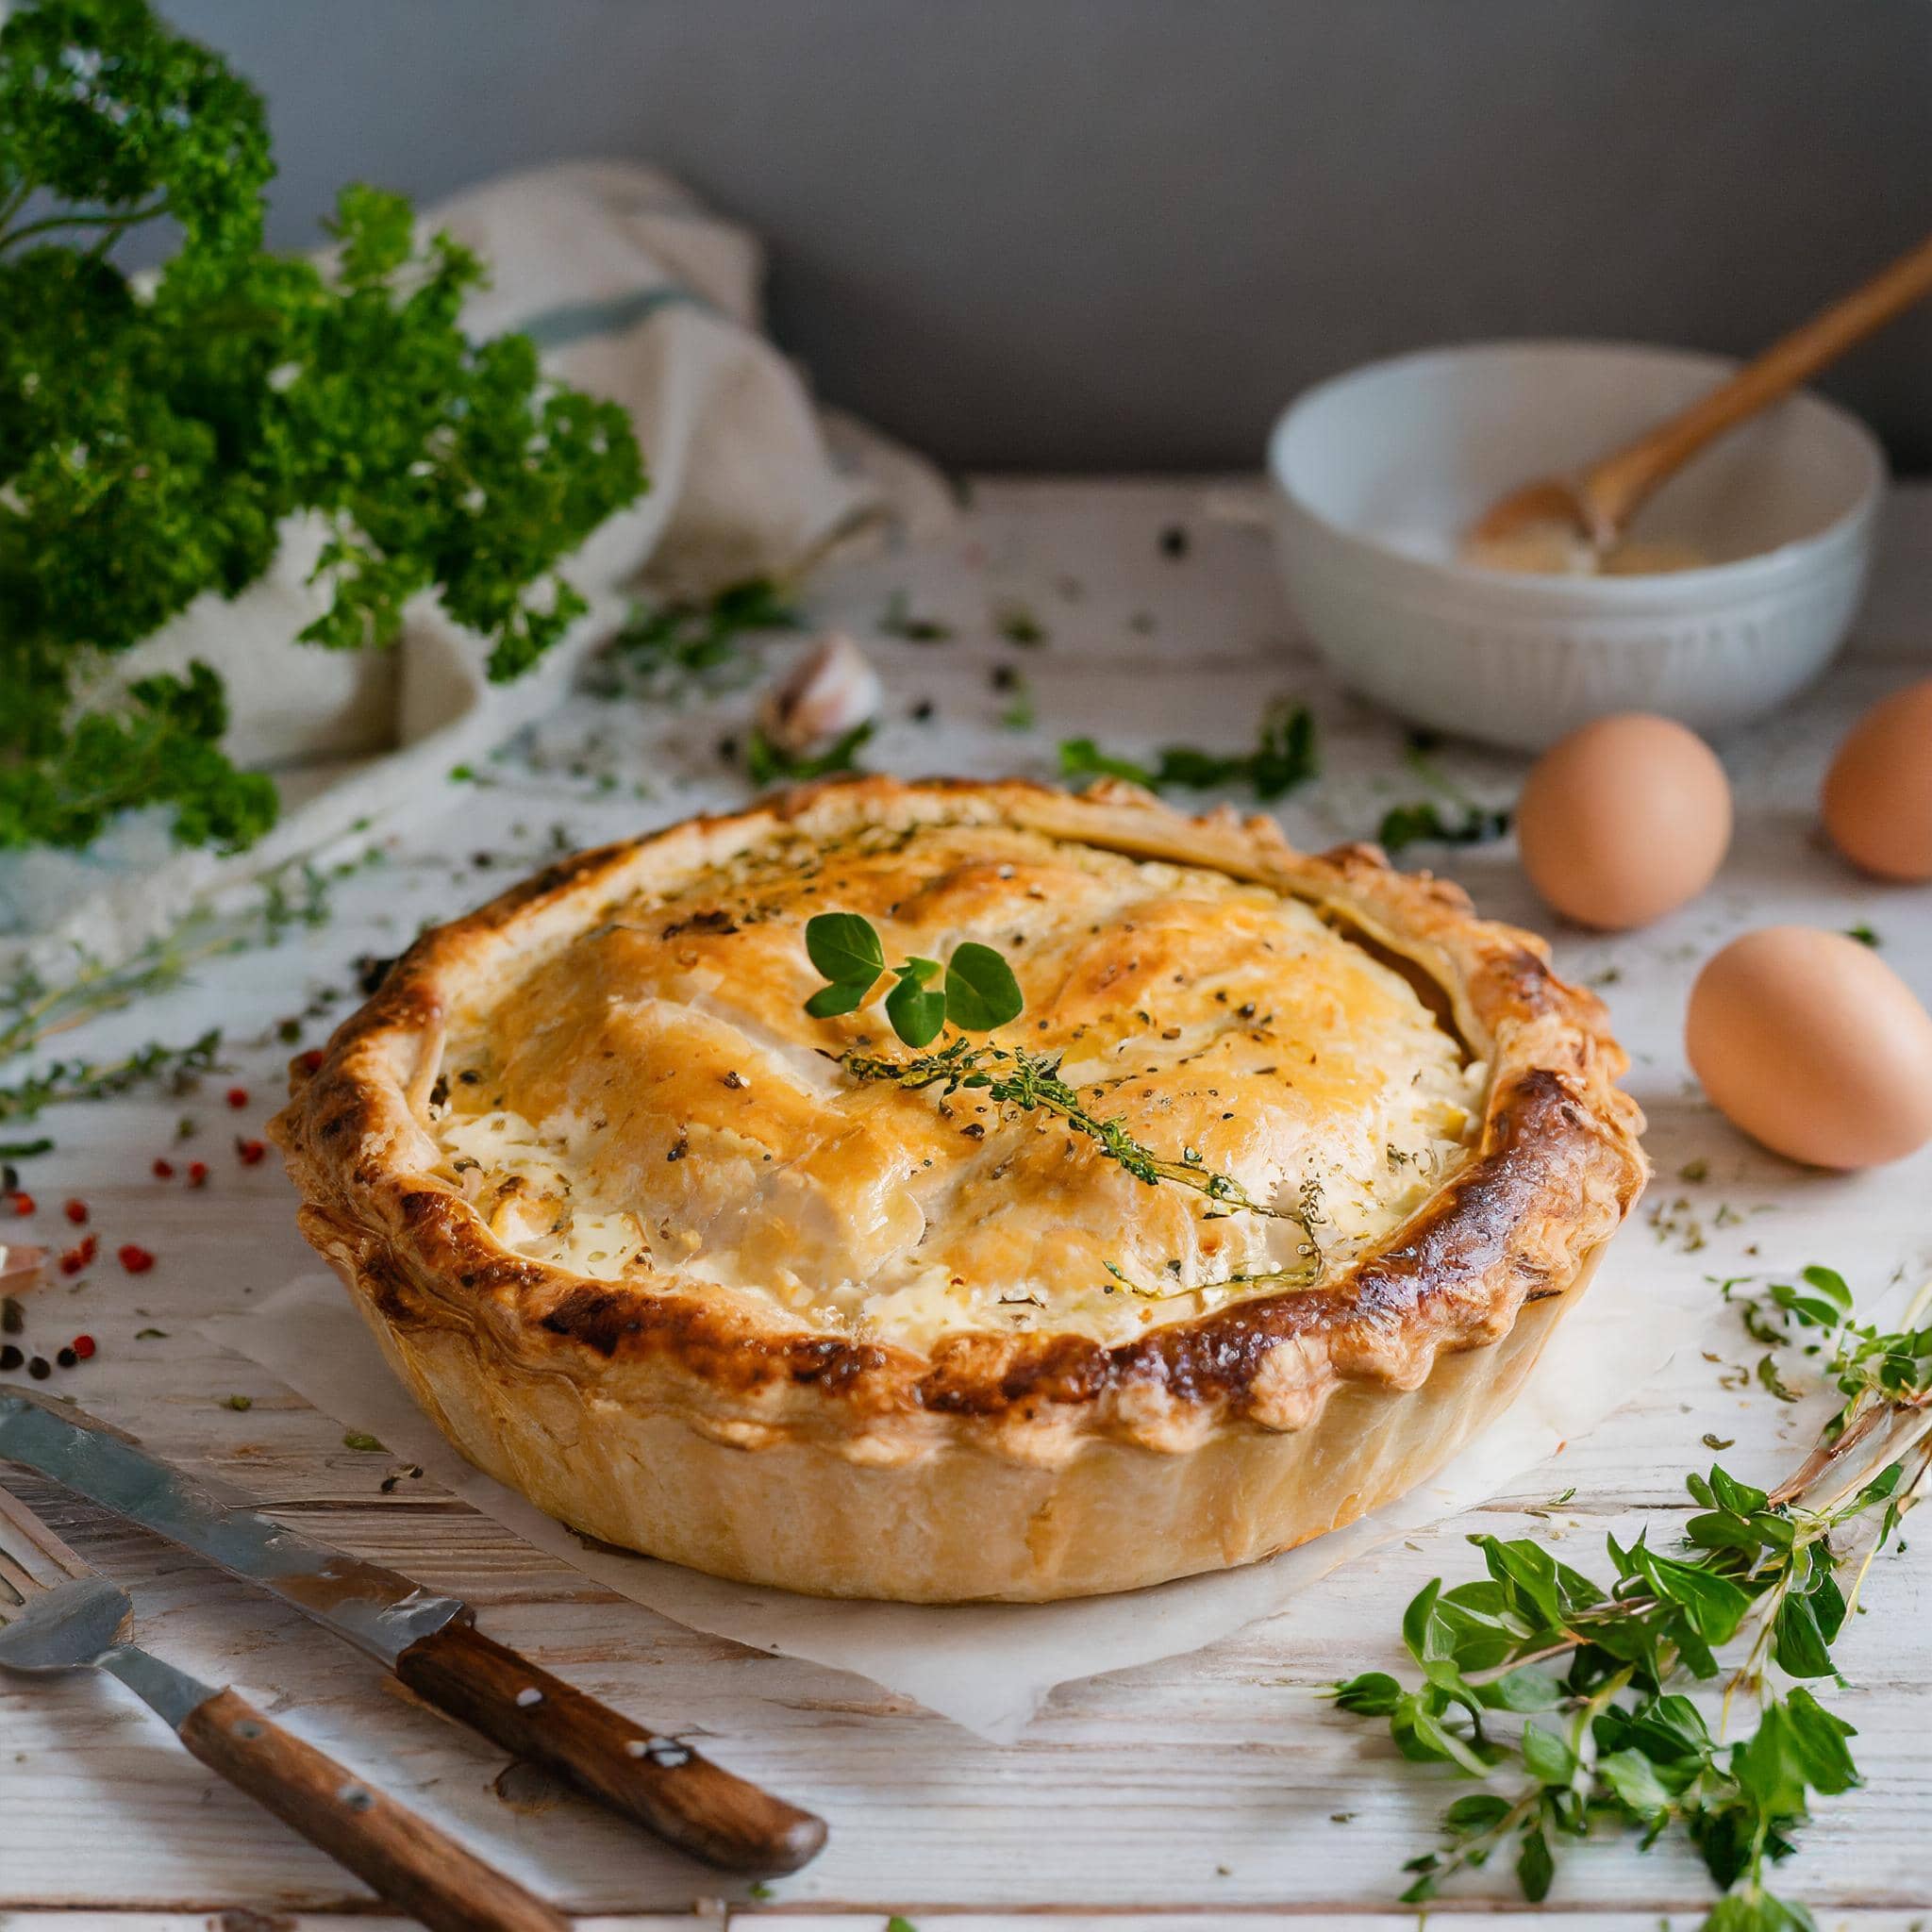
153,439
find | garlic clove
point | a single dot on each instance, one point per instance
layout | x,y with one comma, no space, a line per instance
830,690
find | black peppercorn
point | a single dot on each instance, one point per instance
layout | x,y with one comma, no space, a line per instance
40,1368
10,1359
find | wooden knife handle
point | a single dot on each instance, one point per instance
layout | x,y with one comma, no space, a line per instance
414,1866
655,1779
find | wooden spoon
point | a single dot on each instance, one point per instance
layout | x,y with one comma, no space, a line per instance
1597,505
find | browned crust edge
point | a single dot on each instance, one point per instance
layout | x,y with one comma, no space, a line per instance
1558,1169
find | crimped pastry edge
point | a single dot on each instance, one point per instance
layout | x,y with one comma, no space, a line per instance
965,1523
1557,1167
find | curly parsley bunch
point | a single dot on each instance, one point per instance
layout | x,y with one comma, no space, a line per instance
150,442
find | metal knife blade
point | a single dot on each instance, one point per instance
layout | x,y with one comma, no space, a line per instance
380,1611
431,1644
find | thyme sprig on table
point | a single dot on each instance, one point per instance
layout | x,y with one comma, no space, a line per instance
34,1007
1604,1667
977,994
179,1067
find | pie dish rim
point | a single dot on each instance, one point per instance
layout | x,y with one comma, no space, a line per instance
1555,1170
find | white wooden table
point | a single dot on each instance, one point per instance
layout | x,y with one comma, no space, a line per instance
1197,1789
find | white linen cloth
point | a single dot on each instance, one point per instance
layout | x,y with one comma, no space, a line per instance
633,291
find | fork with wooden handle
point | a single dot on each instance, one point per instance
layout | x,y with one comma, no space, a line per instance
59,1614
429,1640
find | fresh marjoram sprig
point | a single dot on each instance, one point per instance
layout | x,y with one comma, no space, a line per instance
1597,1673
977,994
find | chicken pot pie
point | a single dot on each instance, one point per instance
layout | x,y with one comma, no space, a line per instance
708,1277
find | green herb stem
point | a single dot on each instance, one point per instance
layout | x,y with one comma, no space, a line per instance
1756,1568
1032,1083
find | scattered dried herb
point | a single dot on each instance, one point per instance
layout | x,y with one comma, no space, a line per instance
1284,757
897,621
680,646
174,1067
768,765
1016,623
33,1008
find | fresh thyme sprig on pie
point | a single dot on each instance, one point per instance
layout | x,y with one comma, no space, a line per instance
1599,1671
977,994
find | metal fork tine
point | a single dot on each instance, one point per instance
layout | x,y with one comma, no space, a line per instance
32,1558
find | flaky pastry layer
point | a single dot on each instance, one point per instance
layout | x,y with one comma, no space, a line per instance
769,1242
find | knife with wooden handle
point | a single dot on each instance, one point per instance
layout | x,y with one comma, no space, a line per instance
430,1641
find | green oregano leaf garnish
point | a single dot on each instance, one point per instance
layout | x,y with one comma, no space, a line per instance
978,991
981,991
846,949
916,1012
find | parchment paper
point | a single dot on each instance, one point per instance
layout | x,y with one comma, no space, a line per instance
989,1667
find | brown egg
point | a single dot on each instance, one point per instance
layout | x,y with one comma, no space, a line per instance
1811,1044
1624,820
1878,792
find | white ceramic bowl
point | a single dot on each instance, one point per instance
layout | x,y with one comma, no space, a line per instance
1378,473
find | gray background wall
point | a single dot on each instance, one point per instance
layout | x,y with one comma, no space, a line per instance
1120,233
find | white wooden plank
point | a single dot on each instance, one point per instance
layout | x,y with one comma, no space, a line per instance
1201,1786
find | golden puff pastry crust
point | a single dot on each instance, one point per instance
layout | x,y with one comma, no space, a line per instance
649,1249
